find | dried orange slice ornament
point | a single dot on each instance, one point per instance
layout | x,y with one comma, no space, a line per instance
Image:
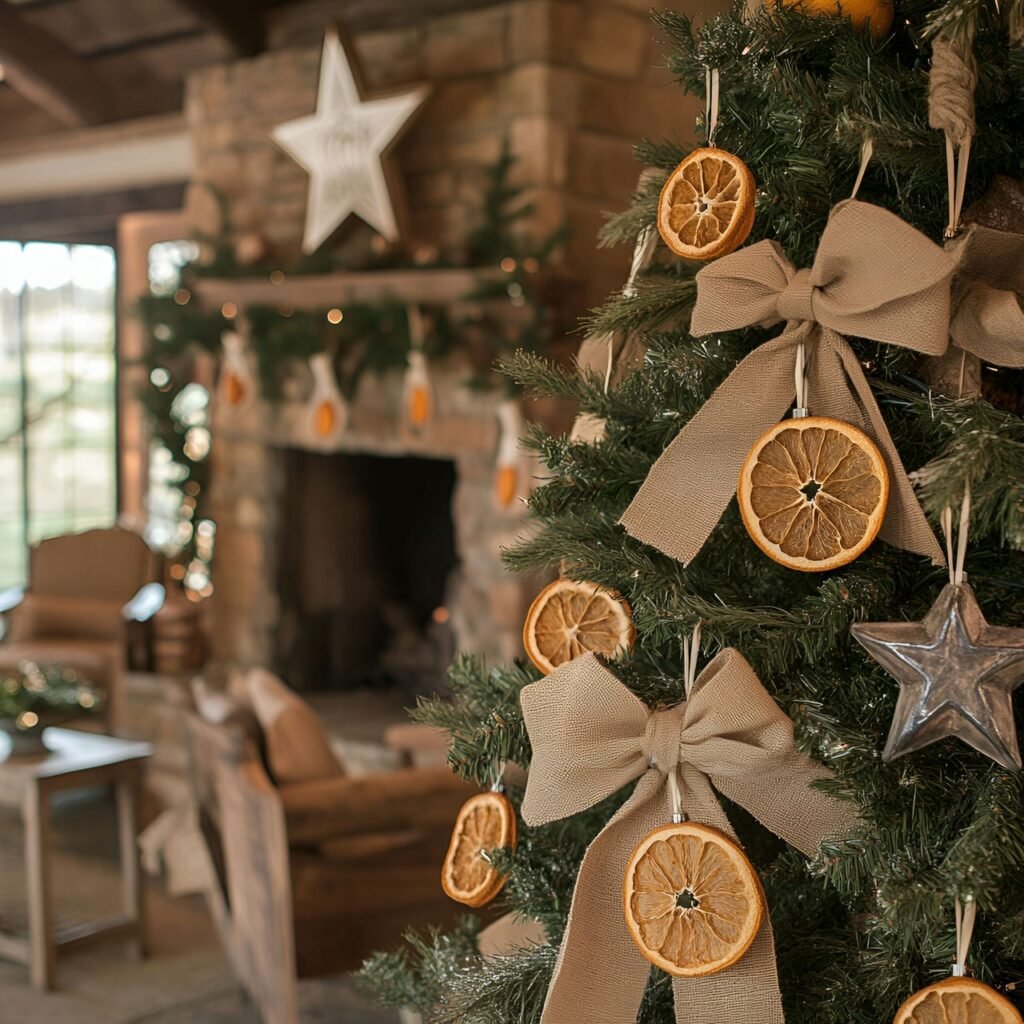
958,1001
506,482
486,822
568,618
234,389
877,14
706,207
419,406
812,493
693,902
324,419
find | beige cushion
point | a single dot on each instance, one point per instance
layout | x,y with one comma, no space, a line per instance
296,745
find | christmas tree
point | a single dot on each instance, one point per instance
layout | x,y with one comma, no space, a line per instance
817,107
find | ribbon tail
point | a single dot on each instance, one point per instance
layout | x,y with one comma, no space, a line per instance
694,479
771,795
748,992
989,323
839,389
608,990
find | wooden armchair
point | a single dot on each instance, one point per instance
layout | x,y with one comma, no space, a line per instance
313,876
83,591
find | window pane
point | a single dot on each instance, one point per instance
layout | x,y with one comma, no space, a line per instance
13,553
57,394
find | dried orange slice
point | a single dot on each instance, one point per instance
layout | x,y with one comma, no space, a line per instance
812,493
486,822
506,480
568,619
324,419
234,389
419,405
877,14
958,1001
706,207
693,901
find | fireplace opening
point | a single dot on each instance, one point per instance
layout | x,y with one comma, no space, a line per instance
367,568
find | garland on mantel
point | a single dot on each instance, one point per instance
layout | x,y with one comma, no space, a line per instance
362,338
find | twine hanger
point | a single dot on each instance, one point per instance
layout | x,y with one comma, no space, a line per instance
966,913
417,329
643,250
956,565
802,367
867,151
498,785
951,84
712,90
691,655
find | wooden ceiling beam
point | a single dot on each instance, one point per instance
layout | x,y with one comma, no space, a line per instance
241,22
48,73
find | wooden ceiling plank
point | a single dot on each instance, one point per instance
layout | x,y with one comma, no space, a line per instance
240,22
49,74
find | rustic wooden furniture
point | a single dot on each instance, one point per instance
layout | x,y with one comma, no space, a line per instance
312,877
73,760
84,589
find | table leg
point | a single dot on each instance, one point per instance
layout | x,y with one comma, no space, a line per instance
36,815
127,792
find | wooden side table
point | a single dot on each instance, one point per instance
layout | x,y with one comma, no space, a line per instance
73,760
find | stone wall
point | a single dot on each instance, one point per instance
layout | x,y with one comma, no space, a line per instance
573,84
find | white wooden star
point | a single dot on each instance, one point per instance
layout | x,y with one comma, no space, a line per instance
343,147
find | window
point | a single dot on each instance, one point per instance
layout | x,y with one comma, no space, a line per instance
58,378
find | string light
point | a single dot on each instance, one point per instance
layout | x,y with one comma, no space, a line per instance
335,316
182,296
508,264
229,310
277,277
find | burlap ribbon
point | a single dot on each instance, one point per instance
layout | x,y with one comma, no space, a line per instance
988,320
591,736
874,276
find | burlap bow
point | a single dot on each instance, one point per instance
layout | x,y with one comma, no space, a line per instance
874,276
591,736
988,320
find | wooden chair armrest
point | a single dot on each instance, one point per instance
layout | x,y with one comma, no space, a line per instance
48,616
410,799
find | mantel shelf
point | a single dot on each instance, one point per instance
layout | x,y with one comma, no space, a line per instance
433,286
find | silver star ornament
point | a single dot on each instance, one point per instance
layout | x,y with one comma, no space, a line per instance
956,673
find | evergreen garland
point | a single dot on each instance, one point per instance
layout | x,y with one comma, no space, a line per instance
371,338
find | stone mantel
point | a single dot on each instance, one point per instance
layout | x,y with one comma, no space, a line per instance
427,285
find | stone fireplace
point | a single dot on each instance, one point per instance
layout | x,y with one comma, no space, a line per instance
332,565
570,84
